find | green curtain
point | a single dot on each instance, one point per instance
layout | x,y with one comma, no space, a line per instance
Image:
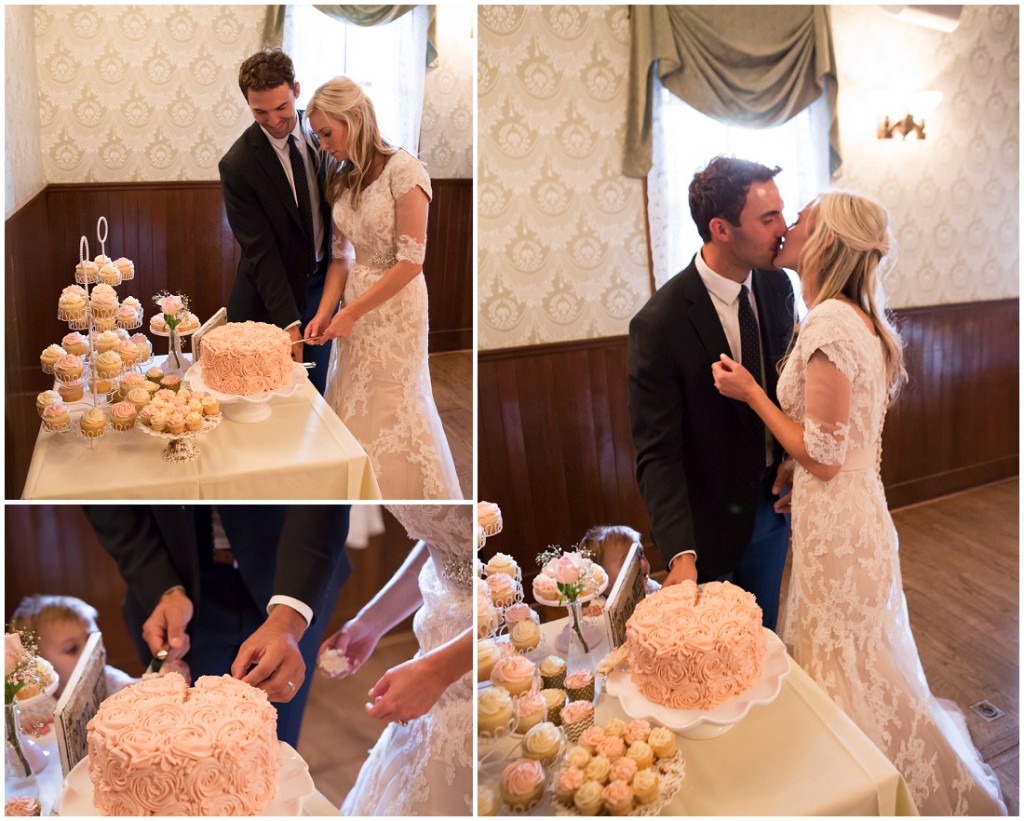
755,66
273,29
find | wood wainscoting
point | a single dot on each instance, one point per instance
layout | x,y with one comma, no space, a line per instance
556,452
178,235
52,549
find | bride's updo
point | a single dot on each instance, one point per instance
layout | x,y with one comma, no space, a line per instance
344,101
849,249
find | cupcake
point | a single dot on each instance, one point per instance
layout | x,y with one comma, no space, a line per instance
101,260
514,673
486,802
126,349
103,323
103,386
618,798
24,805
211,405
576,717
93,422
75,343
143,346
171,382
127,317
641,753
87,272
588,800
645,785
623,769
71,391
517,613
493,711
580,685
72,304
486,656
139,397
103,304
123,416
176,423
108,365
525,636
615,727
486,616
545,588
158,421
193,421
154,373
532,711
552,672
598,769
488,515
591,737
56,416
637,730
45,399
577,756
126,268
522,783
568,780
662,742
157,324
49,357
611,747
106,341
554,698
502,589
132,380
109,274
501,563
68,368
146,415
189,322
543,743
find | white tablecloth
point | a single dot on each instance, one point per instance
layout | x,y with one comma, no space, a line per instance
799,755
303,451
51,780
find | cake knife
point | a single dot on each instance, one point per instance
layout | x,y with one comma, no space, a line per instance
158,660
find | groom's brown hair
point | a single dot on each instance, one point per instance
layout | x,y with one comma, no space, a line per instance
266,69
720,190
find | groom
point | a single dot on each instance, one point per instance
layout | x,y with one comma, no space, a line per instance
706,465
245,589
274,180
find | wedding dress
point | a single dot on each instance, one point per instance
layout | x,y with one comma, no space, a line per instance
379,381
846,618
426,767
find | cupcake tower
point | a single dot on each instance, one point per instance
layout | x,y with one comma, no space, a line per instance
96,359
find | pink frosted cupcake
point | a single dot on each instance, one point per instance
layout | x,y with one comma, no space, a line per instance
545,587
568,780
623,769
87,272
127,317
514,673
611,747
517,613
618,798
126,267
638,730
522,784
580,685
532,710
590,738
145,348
123,416
75,343
502,589
576,717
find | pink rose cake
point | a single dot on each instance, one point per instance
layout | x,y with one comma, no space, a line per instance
246,358
159,747
691,648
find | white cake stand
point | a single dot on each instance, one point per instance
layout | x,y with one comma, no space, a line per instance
180,447
247,409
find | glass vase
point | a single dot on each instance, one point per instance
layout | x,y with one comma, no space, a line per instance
175,364
19,778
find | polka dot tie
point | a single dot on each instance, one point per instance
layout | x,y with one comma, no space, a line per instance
301,186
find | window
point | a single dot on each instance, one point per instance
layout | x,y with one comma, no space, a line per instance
388,61
685,141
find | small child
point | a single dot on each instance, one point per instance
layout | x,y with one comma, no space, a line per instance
63,625
609,545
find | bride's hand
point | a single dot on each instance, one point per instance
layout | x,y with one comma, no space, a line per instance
355,641
316,327
341,325
733,380
407,691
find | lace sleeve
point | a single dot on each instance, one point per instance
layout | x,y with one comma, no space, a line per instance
411,227
341,246
827,417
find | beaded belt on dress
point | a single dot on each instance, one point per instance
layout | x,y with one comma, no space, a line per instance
458,571
859,459
380,259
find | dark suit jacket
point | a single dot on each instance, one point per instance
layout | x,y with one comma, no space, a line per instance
292,550
277,256
700,456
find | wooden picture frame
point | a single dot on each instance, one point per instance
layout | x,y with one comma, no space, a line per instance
629,589
85,691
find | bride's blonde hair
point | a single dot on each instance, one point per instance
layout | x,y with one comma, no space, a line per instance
342,100
849,249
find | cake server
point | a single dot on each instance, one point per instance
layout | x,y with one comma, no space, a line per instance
158,660
311,339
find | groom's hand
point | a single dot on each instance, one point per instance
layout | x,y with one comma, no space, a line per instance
166,625
274,650
684,568
295,334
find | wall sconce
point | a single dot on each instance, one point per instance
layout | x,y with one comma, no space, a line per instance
909,126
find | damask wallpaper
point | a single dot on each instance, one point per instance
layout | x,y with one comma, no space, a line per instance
562,245
23,162
446,129
954,197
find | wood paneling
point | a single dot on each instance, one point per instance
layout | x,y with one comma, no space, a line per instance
556,452
178,235
53,549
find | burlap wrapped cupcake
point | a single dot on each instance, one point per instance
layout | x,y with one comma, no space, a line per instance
580,685
576,717
552,672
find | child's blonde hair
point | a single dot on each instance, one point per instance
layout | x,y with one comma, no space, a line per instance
599,538
38,610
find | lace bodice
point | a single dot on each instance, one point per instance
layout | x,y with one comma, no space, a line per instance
447,530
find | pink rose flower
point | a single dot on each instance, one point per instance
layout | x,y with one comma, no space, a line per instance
567,569
171,304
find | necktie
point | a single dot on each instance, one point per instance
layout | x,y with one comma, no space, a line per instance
301,186
750,344
204,533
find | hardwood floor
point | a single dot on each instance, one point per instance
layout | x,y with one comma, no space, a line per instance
451,375
959,559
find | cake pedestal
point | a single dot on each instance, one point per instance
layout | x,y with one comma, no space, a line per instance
180,447
247,409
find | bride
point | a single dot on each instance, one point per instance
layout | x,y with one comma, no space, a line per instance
379,380
846,616
422,762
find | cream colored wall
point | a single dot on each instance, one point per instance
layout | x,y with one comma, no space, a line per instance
446,130
562,253
23,163
953,197
562,247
